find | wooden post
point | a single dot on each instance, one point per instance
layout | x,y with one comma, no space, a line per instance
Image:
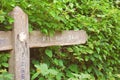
19,61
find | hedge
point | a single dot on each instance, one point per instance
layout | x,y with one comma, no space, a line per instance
98,59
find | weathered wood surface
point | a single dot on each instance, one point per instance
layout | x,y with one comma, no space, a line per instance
19,61
38,39
5,40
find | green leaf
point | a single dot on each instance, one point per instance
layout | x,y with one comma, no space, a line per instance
48,53
74,68
11,20
117,75
69,74
44,69
53,71
8,27
59,76
35,76
55,61
41,78
5,64
2,18
6,76
61,63
70,49
71,5
30,29
45,31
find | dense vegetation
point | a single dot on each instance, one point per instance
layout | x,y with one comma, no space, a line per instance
98,59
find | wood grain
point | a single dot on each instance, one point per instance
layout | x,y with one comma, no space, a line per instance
19,61
5,40
37,39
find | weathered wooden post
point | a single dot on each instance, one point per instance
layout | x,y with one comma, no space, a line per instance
19,61
18,41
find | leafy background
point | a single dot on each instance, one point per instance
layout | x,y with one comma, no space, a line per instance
98,59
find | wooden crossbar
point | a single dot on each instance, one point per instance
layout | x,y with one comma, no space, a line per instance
37,39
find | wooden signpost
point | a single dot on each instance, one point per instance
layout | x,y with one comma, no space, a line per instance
19,40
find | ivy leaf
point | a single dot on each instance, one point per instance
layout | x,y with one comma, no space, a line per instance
53,71
10,20
70,49
59,76
74,68
8,27
35,76
71,5
41,78
30,28
55,61
2,18
44,69
5,64
61,63
69,73
48,53
45,31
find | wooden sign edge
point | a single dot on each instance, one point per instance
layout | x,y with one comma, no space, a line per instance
6,35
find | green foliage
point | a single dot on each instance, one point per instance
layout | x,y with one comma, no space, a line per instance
43,69
4,75
3,59
5,20
48,52
98,59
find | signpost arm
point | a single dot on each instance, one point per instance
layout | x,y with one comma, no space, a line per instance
19,60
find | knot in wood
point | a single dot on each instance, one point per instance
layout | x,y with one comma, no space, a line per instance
22,36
